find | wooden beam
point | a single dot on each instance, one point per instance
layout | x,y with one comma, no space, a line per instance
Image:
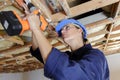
83,8
65,6
5,3
27,60
114,46
116,9
4,58
115,35
21,54
110,52
1,62
18,7
101,39
97,33
11,61
113,42
98,46
99,23
15,39
17,49
116,28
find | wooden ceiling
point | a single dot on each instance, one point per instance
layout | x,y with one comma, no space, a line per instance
103,34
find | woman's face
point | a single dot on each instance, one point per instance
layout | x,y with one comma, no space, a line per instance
70,31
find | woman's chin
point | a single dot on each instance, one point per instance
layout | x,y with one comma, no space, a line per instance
67,39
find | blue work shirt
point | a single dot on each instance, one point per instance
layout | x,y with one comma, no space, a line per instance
85,63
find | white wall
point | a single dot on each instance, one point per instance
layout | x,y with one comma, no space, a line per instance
114,65
11,76
34,75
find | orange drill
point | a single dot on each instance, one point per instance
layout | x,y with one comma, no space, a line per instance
15,25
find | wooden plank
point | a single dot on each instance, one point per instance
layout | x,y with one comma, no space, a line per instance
54,6
83,8
116,9
15,39
116,28
113,46
21,54
98,46
109,52
101,39
1,62
16,49
5,3
99,23
113,43
97,33
4,58
65,6
115,35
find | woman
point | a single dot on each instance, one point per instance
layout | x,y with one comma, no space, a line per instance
82,63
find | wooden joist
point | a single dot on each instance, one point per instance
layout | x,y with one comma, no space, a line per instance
116,28
65,6
15,49
101,39
116,9
99,23
113,42
83,8
110,52
97,33
115,35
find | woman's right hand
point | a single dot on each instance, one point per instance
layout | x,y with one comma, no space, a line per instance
34,22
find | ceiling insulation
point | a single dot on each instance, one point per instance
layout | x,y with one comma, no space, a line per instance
103,31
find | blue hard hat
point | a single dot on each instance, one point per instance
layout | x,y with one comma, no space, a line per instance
70,21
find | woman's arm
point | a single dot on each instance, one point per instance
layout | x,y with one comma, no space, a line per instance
34,42
43,44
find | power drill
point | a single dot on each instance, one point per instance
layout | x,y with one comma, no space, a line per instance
15,25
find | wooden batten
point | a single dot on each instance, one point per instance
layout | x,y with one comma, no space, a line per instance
116,9
97,33
15,39
99,40
113,42
115,35
83,8
65,6
116,28
110,52
15,49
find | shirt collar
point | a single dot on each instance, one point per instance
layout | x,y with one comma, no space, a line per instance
77,54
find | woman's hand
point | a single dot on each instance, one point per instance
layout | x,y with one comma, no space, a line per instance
33,21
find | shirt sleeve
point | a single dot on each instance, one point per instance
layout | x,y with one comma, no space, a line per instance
36,53
59,67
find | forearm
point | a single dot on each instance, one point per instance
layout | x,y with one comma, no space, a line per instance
34,42
43,44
